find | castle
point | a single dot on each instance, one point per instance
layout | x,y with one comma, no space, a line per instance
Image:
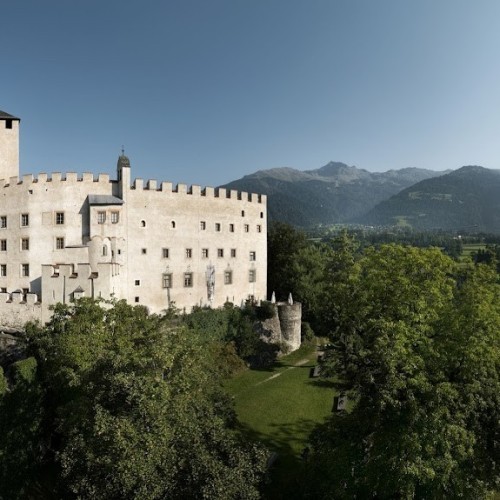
65,236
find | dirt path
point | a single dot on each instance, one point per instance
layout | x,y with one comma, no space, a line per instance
276,375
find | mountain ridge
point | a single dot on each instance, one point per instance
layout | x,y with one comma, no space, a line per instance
335,192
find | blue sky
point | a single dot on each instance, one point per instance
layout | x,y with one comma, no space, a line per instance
206,91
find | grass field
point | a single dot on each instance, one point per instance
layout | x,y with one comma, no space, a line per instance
280,407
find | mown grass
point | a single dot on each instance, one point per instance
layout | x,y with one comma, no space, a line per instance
280,407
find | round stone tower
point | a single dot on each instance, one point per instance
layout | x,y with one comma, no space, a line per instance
290,316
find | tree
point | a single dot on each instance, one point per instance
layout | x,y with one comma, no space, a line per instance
133,408
418,354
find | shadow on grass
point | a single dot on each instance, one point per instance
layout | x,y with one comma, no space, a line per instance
287,474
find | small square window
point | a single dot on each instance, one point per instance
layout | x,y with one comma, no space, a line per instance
59,217
3,222
3,245
144,251
233,252
25,243
203,225
59,243
220,252
252,276
253,256
247,228
217,227
3,269
228,277
25,220
115,217
188,280
231,228
137,282
25,270
165,253
8,123
189,253
204,253
136,299
167,280
101,217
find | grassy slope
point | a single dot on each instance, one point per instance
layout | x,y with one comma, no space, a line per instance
282,411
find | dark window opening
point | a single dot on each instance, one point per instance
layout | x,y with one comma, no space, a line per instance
8,123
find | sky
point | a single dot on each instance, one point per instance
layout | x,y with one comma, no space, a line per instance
207,91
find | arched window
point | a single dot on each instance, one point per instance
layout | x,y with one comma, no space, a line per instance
104,251
173,224
143,223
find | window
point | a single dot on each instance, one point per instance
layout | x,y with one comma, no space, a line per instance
243,213
217,227
220,252
173,224
104,251
25,243
25,220
143,223
101,217
228,277
137,282
59,217
253,256
233,252
165,253
247,228
188,280
167,280
259,228
189,253
3,290
60,243
3,222
144,251
3,245
262,215
8,123
115,217
25,270
252,276
203,225
3,269
136,299
231,228
204,253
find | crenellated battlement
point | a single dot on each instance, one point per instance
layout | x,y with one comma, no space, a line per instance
56,177
196,190
138,184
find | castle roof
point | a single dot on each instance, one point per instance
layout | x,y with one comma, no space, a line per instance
104,199
6,116
123,161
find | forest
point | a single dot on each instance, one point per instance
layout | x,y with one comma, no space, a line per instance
111,402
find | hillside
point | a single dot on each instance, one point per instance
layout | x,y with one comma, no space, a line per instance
333,193
467,198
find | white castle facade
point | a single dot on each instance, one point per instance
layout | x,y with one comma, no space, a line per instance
64,236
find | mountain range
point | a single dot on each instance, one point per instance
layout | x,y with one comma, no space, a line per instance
327,195
464,199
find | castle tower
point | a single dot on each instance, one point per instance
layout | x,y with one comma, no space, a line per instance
9,146
123,175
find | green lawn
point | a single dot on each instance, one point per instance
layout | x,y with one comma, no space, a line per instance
280,407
